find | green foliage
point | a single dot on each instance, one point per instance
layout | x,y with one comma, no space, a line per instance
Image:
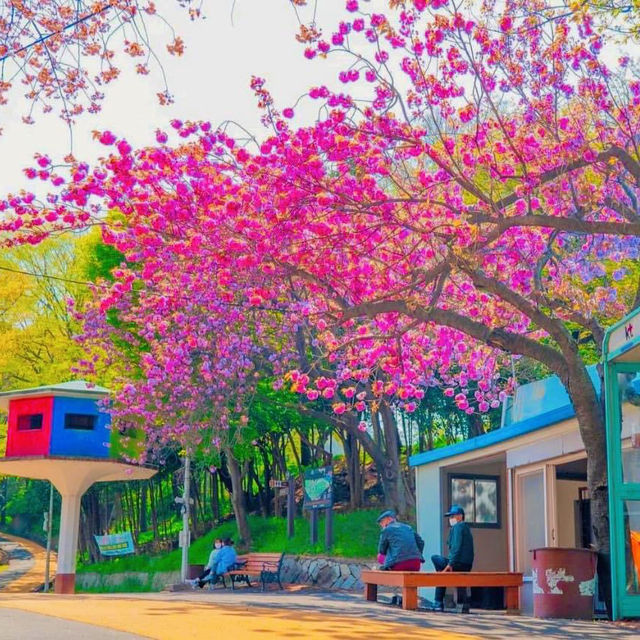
355,534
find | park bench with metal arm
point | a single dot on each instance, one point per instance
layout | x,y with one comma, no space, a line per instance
265,566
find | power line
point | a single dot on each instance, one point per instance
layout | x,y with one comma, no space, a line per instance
50,277
55,33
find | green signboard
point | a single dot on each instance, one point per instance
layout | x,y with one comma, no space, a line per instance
115,544
318,488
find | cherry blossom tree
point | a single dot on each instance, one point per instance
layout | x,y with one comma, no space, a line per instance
64,53
472,194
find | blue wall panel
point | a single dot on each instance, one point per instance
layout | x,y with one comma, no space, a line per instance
79,442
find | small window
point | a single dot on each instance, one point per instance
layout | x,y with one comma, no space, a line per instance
30,422
479,496
81,421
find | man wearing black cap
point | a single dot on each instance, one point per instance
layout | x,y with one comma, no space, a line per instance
460,543
400,545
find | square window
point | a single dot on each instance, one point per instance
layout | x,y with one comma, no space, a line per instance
479,496
82,421
30,422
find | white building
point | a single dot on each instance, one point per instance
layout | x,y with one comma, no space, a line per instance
522,486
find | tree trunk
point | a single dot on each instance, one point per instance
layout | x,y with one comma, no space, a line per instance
154,510
215,502
143,506
591,422
238,501
392,482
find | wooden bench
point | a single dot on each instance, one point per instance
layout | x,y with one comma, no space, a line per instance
409,581
266,566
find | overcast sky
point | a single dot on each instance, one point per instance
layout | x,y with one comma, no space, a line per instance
210,82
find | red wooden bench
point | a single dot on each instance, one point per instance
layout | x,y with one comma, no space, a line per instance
409,581
265,566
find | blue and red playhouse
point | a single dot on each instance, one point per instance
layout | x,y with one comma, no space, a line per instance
59,420
62,433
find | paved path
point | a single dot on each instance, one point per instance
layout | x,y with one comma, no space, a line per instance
283,615
20,625
26,565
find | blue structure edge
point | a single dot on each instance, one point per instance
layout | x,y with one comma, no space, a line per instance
514,430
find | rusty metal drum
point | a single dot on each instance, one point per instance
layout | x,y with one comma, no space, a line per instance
563,582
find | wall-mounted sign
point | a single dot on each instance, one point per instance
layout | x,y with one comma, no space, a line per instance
318,488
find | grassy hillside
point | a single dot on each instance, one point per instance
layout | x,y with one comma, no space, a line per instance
355,536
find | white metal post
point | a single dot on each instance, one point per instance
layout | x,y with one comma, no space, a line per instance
185,518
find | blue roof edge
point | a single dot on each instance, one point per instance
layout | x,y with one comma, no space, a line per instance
494,437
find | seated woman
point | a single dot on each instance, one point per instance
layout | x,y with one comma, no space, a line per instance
205,576
225,558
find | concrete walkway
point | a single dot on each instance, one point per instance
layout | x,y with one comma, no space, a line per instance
26,565
20,625
293,614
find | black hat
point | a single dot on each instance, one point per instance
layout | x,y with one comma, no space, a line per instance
390,513
456,510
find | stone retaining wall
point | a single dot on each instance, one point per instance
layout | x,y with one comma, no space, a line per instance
150,581
328,573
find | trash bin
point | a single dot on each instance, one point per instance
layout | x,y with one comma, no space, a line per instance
194,571
563,582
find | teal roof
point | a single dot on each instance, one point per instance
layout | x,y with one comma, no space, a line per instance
536,405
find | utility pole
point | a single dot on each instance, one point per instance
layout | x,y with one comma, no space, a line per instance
49,528
185,534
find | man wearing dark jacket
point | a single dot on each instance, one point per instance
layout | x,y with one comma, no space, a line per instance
460,544
400,545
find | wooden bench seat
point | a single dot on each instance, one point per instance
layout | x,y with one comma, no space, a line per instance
266,566
409,581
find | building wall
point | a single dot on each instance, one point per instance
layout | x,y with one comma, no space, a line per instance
78,442
31,442
566,494
428,513
490,545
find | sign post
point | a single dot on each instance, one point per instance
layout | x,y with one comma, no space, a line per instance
291,507
184,566
318,494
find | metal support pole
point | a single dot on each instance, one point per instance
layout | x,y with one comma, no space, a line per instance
314,526
184,568
328,528
291,506
47,562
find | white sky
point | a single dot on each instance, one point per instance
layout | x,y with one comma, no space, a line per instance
209,82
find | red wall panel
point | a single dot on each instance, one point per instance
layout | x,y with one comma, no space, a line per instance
31,442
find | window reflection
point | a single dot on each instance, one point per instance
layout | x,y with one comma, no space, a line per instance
629,385
632,544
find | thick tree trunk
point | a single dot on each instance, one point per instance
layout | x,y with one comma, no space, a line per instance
238,501
591,422
394,489
354,476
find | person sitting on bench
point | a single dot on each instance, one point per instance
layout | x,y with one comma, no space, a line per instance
400,545
205,576
460,544
222,562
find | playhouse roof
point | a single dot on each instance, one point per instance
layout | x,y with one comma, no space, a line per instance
536,405
73,389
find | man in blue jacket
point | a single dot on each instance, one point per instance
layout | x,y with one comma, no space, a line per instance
400,545
460,544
